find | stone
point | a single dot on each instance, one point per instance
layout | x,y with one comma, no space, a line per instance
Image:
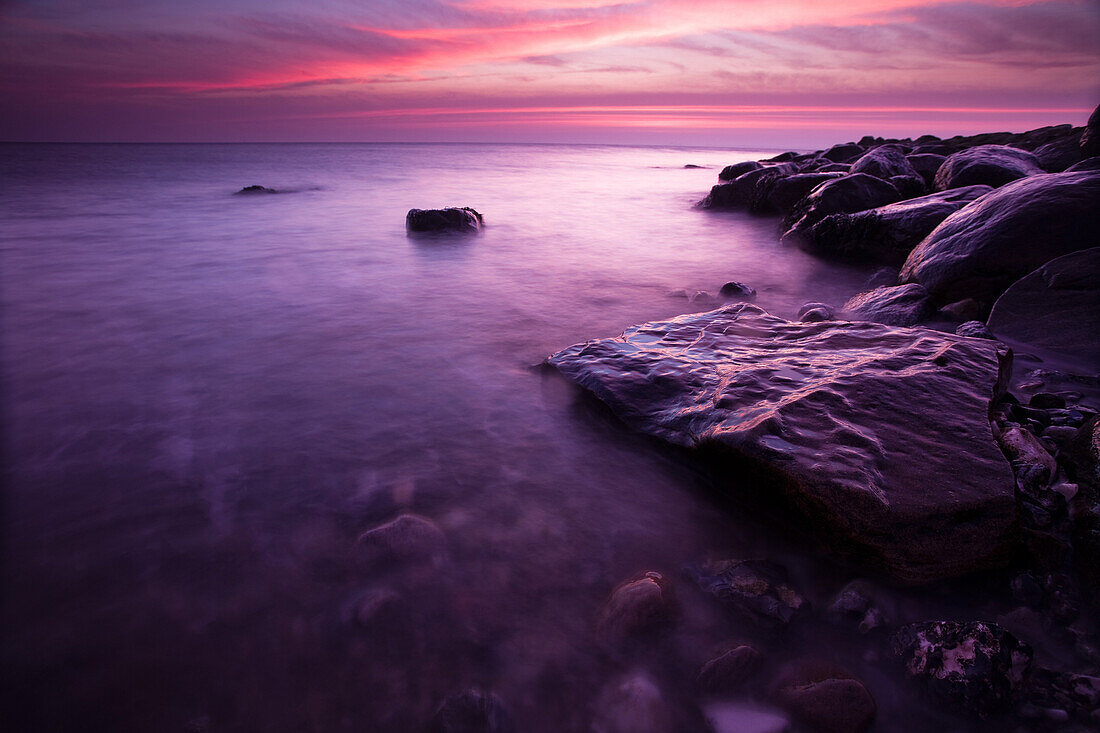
887,233
638,606
895,305
855,604
962,311
733,171
729,671
755,590
703,299
926,165
846,195
843,153
1056,156
633,703
472,711
1056,308
737,290
1088,164
974,667
974,330
884,162
910,186
834,168
408,537
1090,138
981,249
739,193
986,165
880,277
462,220
1034,466
826,698
252,190
848,424
783,192
815,313
1046,401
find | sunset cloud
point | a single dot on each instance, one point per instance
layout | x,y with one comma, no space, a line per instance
79,69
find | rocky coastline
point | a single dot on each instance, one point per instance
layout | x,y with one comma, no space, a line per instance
896,427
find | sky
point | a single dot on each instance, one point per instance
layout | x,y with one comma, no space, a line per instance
749,73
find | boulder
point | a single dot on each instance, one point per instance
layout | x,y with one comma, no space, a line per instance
755,590
909,186
1033,465
731,172
843,153
926,165
1090,138
826,698
984,247
986,165
963,310
729,671
973,667
1055,308
738,291
253,190
739,192
884,162
887,233
849,423
1056,156
1088,164
783,157
472,711
974,330
894,305
816,312
408,537
638,606
783,192
846,195
462,220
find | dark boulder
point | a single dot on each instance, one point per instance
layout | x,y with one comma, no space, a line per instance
1090,138
884,162
896,305
974,330
819,438
738,291
964,310
843,153
784,157
846,195
973,667
887,233
729,671
1088,164
825,697
733,171
990,243
834,168
252,190
781,193
816,312
1060,154
740,192
638,606
986,165
464,220
926,165
1055,308
755,590
909,186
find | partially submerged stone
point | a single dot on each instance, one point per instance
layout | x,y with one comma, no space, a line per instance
253,190
845,195
755,590
863,429
825,697
638,606
729,671
462,220
407,537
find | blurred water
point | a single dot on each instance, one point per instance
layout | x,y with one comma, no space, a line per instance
207,397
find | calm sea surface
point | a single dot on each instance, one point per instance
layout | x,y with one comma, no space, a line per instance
208,397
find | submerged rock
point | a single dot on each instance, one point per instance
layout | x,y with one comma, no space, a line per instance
737,290
464,220
894,305
984,247
730,670
1055,308
638,606
472,711
633,704
887,233
252,190
408,537
974,667
753,589
825,697
986,165
862,428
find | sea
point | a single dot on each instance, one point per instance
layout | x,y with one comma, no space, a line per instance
208,397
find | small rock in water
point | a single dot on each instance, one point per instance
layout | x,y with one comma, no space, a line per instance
472,711
736,290
855,604
828,699
703,298
974,667
408,537
638,606
974,330
893,305
729,671
816,313
755,589
632,704
692,165
456,219
248,190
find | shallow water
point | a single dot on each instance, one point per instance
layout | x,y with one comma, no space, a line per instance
207,398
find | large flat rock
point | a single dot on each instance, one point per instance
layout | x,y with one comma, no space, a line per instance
879,436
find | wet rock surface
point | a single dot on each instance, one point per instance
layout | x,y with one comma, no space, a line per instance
803,403
980,250
1055,308
885,162
462,220
846,195
894,305
986,165
825,697
638,606
755,590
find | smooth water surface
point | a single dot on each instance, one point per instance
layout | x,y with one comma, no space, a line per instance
208,397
